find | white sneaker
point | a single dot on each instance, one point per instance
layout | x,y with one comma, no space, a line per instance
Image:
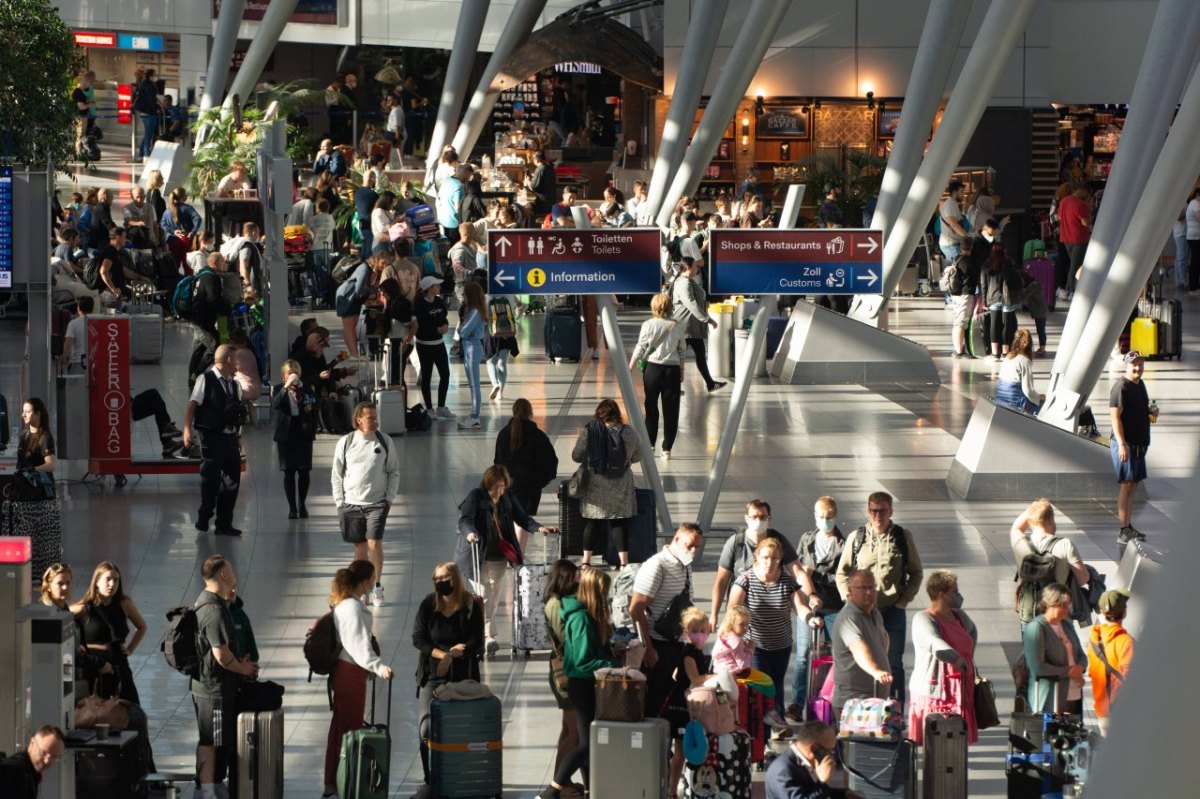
773,719
475,423
492,647
444,413
377,596
666,455
469,423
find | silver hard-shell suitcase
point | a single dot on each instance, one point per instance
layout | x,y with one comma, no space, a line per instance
629,759
945,773
260,755
529,619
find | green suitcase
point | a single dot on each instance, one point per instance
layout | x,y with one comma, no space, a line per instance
364,765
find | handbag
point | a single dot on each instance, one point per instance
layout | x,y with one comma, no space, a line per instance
31,486
93,710
986,716
577,485
872,718
510,552
557,674
712,708
620,695
259,696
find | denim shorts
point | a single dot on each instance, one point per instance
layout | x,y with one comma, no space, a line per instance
1132,470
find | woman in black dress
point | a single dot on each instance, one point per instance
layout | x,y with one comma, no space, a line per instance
526,451
105,615
295,428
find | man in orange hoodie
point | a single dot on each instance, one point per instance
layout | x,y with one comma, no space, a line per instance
1110,651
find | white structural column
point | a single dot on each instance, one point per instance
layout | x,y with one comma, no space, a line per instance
275,143
1155,95
744,373
931,70
471,17
228,21
1002,27
704,28
275,18
759,28
1145,725
1173,175
633,408
520,24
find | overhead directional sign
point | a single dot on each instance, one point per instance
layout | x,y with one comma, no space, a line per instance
569,261
805,261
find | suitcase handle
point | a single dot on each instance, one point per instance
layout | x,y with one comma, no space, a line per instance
374,689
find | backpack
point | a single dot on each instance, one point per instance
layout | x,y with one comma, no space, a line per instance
91,275
901,544
416,420
183,299
344,268
951,281
612,460
181,643
384,441
674,250
321,646
622,596
501,316
1034,572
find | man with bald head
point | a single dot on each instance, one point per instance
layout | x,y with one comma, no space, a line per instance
216,414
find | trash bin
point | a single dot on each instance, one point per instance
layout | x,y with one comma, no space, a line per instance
720,340
741,346
747,308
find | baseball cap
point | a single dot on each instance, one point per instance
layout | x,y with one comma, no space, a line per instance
1114,601
1131,356
429,281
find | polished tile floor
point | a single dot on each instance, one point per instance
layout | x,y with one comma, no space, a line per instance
796,443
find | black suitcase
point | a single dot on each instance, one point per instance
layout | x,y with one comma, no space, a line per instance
642,530
564,335
570,522
108,773
945,771
1170,329
880,769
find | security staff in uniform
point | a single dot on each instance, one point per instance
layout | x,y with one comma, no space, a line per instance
216,413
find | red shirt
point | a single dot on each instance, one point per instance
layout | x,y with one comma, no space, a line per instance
1072,214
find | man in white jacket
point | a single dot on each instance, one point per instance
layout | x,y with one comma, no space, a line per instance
366,478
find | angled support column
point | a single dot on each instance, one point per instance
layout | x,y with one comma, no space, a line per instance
741,385
224,39
471,16
520,24
758,29
1001,29
633,408
931,70
1155,95
275,145
704,28
274,20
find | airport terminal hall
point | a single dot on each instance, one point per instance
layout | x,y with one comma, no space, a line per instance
839,435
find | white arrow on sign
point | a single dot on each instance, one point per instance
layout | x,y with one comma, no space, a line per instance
503,244
500,277
871,246
870,277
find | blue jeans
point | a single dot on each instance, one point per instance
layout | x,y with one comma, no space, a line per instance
1182,258
149,128
895,622
803,642
774,663
472,355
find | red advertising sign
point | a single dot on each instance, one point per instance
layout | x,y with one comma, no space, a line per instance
125,103
108,387
95,39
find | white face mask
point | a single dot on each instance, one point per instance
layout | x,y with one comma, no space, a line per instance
825,525
755,527
685,557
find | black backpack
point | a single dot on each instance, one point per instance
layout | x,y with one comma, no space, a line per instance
901,544
612,460
181,644
91,275
321,646
416,420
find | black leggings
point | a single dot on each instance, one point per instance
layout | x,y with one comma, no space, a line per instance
430,356
697,345
294,479
1193,264
662,381
582,694
593,533
1003,328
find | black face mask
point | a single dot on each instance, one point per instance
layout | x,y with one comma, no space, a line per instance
444,588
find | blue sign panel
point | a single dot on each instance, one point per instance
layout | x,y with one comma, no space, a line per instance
6,227
804,261
138,41
568,261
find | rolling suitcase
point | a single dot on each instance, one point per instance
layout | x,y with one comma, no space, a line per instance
466,749
570,522
146,338
1143,336
564,335
260,755
629,759
529,622
1170,329
364,763
752,706
880,768
944,775
726,772
391,404
642,530
107,773
349,396
819,706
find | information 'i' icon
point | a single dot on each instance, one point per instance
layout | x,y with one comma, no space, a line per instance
537,278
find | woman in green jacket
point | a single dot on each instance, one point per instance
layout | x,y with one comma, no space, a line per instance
563,581
587,646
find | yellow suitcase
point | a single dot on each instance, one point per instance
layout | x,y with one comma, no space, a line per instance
1143,336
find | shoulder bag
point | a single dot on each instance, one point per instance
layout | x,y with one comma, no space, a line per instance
93,710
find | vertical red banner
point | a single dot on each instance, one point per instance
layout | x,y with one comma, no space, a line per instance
124,104
108,387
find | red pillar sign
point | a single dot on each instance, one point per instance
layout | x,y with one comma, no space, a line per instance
124,104
108,389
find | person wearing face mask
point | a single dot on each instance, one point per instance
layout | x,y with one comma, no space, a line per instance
662,591
737,554
695,669
820,551
358,659
943,676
